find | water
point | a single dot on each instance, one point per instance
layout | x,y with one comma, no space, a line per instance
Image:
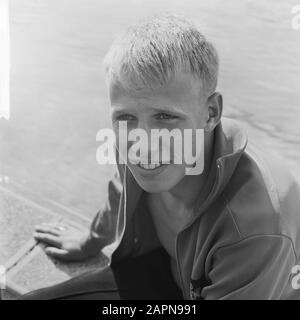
59,99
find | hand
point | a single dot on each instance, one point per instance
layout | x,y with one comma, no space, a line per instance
65,242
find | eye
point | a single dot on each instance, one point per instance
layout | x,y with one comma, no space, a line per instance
165,116
125,117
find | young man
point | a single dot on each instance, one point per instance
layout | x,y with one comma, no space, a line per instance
231,232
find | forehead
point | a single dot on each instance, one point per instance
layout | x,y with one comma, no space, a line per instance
183,89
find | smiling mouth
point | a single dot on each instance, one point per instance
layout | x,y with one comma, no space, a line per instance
151,166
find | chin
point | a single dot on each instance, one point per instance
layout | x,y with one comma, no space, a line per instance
163,182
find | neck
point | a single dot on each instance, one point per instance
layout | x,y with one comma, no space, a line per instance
194,189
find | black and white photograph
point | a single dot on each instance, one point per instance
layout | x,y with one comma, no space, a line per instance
149,150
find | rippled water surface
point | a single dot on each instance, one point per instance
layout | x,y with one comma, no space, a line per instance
59,99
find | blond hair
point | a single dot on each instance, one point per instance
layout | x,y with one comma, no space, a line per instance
150,53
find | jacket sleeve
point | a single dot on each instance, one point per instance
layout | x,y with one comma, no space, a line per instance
103,227
257,267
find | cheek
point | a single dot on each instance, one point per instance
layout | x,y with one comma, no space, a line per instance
185,149
198,117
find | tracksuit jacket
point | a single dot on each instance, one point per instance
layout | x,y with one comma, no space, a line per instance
244,240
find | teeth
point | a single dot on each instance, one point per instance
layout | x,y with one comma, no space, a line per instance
149,166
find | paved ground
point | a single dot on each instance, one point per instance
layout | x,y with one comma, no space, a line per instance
27,266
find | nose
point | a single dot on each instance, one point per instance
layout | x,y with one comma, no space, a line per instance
146,127
148,147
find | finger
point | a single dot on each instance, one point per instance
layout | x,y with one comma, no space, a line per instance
47,238
49,230
55,252
55,225
61,228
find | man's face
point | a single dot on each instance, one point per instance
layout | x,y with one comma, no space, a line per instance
178,105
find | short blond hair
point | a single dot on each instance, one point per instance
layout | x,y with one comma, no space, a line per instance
147,55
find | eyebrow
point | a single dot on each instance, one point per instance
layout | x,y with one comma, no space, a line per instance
117,110
166,109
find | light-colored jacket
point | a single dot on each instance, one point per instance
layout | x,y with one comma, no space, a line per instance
243,241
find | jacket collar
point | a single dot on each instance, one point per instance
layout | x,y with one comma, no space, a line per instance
229,143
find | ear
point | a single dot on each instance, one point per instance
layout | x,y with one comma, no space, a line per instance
215,109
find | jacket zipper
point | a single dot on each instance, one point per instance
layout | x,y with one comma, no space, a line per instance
176,240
